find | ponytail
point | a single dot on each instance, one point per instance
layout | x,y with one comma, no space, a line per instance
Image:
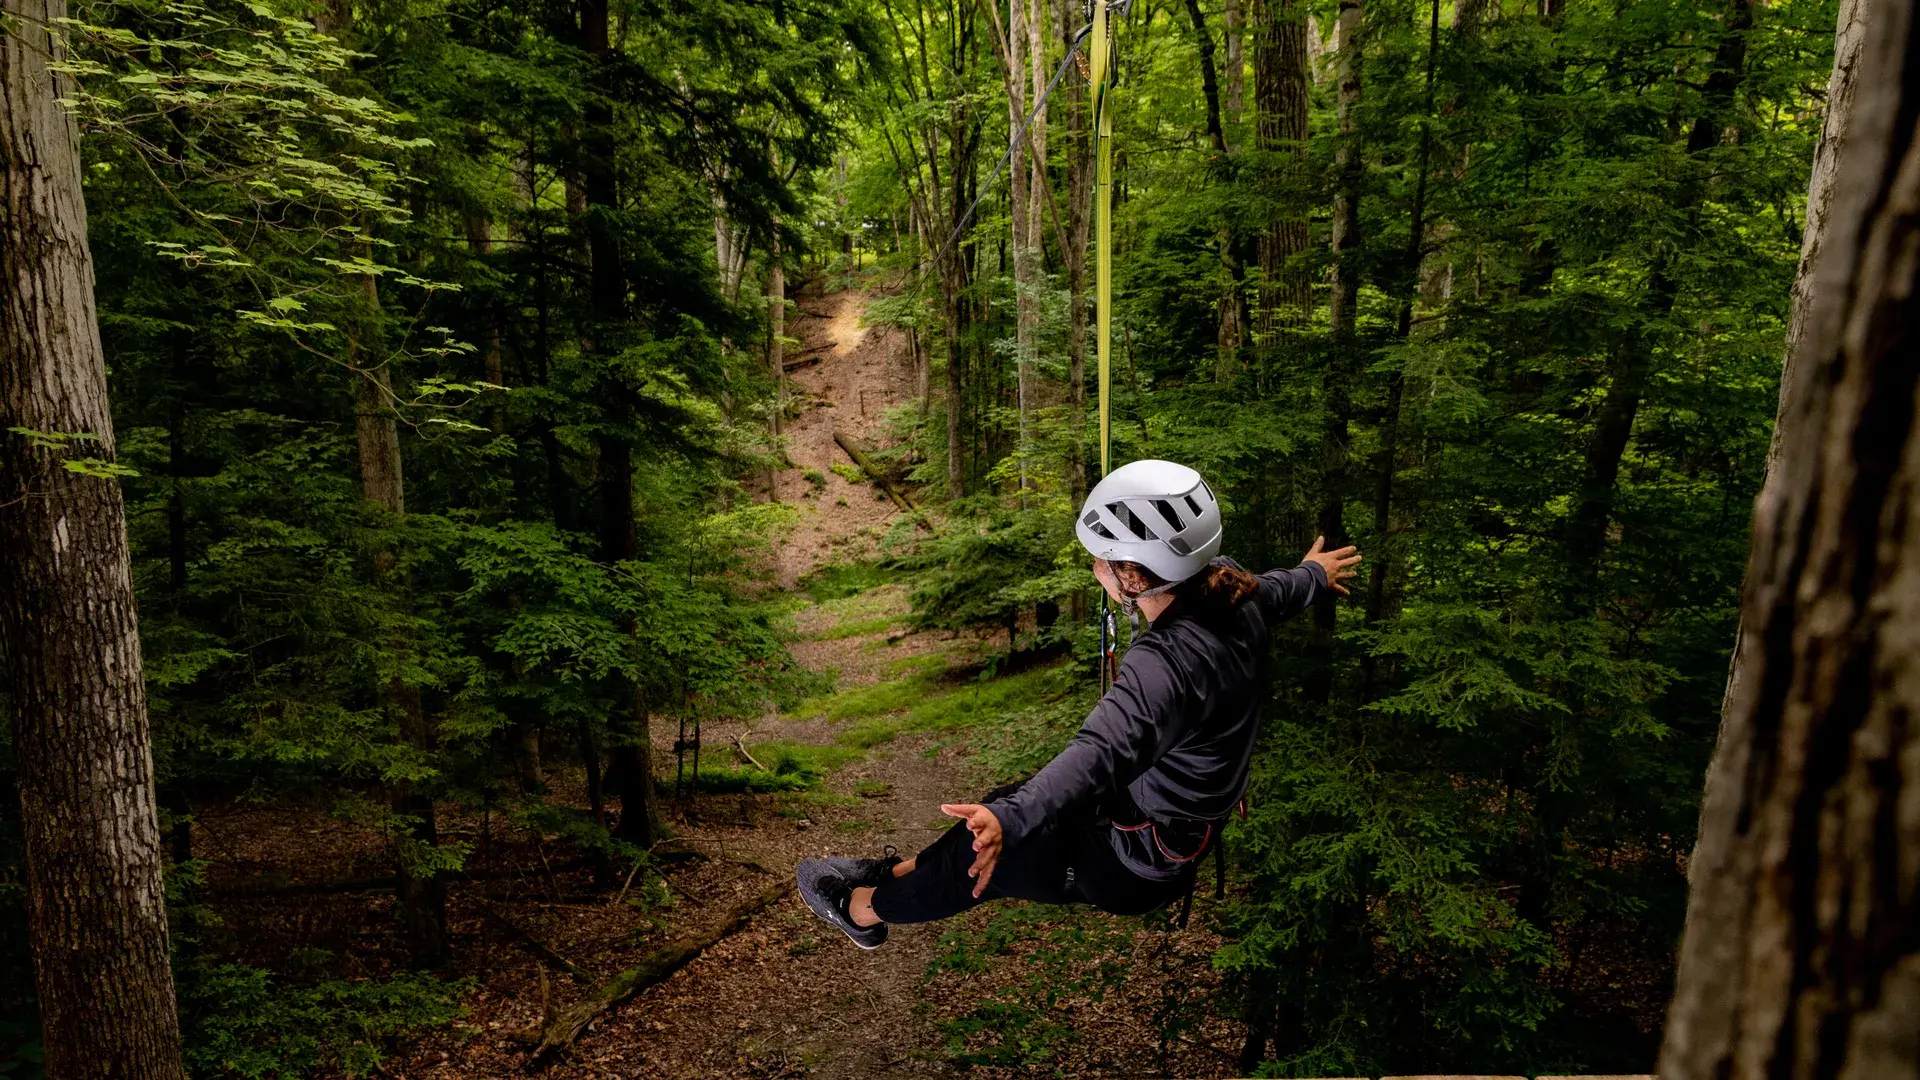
1210,594
1217,590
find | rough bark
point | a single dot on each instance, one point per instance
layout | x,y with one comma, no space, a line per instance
1806,316
1280,128
96,912
1801,958
1038,190
1345,236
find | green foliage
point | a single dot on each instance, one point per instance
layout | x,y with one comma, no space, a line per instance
837,581
992,562
246,1023
1476,786
1075,956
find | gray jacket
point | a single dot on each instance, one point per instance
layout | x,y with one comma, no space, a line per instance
1166,752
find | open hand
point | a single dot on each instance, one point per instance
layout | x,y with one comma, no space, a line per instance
1335,563
986,840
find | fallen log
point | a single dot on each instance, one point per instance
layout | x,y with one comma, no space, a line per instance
566,1025
859,456
792,366
740,744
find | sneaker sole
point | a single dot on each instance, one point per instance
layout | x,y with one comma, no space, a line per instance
827,916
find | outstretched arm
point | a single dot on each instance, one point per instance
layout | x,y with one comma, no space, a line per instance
1286,593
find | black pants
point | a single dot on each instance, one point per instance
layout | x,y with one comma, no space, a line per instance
1039,870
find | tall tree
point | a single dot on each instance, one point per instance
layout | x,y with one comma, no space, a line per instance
1633,363
1802,952
96,909
1280,86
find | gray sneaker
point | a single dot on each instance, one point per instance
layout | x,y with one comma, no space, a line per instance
829,893
868,872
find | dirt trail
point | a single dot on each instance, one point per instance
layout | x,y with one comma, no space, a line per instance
861,373
786,996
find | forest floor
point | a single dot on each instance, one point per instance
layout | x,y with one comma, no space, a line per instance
1007,990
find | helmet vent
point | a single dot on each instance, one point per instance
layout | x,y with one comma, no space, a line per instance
1180,546
1092,520
1194,506
1166,511
1102,530
1125,515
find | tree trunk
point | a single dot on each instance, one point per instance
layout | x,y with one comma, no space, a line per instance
1079,220
1233,77
777,324
1385,460
96,910
1631,366
480,244
1020,204
1228,331
1805,318
420,898
1280,128
630,749
1345,238
1037,187
1801,957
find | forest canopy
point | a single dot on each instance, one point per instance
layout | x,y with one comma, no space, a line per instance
461,410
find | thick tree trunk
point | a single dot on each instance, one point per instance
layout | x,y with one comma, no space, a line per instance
96,911
1801,958
1280,128
1807,317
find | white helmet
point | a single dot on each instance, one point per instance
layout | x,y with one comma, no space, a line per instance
1155,513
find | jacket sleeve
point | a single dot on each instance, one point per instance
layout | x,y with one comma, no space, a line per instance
1129,729
1286,593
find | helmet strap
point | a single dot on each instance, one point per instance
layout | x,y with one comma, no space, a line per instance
1130,602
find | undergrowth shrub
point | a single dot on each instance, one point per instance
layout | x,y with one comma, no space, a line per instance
244,1022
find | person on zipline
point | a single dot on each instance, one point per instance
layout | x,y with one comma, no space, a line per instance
1121,818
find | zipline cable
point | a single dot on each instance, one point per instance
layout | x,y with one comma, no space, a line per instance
1019,137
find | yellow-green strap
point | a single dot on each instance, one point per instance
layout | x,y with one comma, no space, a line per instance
1103,216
